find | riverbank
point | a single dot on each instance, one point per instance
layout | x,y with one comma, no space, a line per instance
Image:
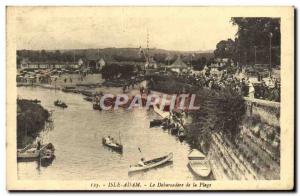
31,119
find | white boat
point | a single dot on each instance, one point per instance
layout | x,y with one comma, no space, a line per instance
31,152
151,163
198,163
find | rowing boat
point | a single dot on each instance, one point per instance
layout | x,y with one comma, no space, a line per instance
198,163
30,152
113,145
151,163
155,123
60,104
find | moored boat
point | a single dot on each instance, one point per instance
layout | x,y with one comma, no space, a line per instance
31,152
35,101
28,153
153,163
47,155
106,141
198,163
96,103
155,123
89,99
96,106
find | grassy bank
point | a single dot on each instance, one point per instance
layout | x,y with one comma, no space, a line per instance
31,119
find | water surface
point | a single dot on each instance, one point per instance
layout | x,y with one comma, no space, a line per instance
80,155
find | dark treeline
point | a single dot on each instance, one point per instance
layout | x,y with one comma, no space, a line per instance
47,56
114,55
254,40
114,70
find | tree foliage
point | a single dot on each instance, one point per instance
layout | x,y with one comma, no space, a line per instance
254,38
225,49
114,70
31,120
220,111
256,34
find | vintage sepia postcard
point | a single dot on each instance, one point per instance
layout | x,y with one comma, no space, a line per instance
150,98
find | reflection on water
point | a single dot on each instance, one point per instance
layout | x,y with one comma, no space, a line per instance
80,155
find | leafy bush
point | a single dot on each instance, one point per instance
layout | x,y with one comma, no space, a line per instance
220,111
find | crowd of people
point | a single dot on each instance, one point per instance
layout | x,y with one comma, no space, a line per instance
243,86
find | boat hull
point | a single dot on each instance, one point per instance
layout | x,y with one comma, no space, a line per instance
149,165
29,155
61,106
201,170
156,123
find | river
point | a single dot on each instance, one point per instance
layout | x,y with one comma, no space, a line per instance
80,154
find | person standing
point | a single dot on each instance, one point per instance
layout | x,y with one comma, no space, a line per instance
251,90
38,141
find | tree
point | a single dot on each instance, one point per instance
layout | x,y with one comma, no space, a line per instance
203,61
160,57
57,55
43,55
225,49
253,39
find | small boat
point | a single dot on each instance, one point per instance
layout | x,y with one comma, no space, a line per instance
156,123
35,101
90,99
60,104
96,106
198,163
96,103
69,89
30,152
113,145
47,156
151,163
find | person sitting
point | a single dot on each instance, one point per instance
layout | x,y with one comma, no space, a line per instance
108,140
141,162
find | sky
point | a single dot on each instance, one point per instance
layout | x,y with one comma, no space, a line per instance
171,28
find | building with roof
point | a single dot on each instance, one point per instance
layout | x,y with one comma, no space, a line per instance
178,65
